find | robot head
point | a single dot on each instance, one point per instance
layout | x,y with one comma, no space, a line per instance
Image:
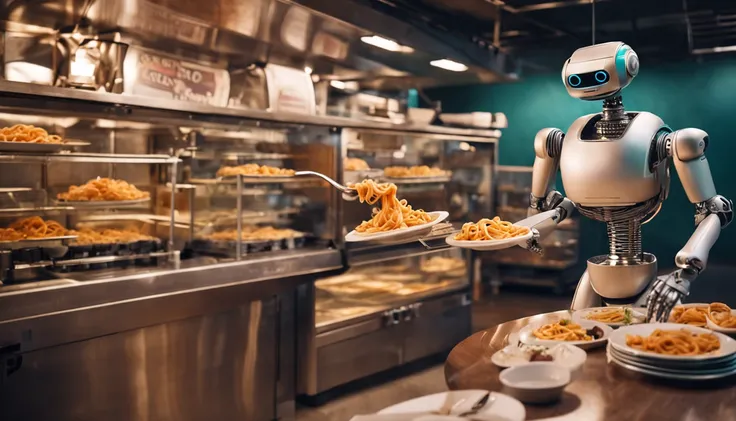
600,71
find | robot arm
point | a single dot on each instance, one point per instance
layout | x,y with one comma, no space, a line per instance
547,207
712,213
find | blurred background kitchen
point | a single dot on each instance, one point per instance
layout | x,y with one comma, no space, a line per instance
198,321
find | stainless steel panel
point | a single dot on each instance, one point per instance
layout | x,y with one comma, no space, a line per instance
438,326
219,366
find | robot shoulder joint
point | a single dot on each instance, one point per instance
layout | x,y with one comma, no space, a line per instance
689,144
548,143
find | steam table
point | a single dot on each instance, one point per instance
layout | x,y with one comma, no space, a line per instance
604,392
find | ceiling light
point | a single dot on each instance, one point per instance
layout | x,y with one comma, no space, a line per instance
337,84
386,44
450,65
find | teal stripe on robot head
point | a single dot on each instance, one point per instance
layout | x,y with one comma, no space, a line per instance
621,62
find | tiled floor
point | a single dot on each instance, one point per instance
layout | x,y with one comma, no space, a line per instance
423,381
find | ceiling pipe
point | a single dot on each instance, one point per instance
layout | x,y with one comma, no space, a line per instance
514,11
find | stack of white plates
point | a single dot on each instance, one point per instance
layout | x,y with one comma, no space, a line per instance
715,365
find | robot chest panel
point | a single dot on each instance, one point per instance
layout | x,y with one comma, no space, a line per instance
610,172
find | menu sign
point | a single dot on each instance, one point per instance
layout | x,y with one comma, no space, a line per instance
165,76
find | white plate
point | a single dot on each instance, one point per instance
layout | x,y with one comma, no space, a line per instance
727,366
527,337
487,245
400,234
726,330
566,355
503,406
636,316
667,375
103,203
38,147
618,341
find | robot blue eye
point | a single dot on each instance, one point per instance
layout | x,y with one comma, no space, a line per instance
574,80
601,76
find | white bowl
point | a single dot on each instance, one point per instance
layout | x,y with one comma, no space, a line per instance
539,382
421,116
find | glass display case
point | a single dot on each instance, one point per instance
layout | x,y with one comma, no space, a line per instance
518,265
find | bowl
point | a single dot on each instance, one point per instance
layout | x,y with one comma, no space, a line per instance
421,116
538,382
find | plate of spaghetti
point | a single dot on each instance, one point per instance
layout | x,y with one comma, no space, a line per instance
417,171
35,230
254,171
672,341
32,139
612,316
489,234
693,314
103,192
586,334
395,219
721,318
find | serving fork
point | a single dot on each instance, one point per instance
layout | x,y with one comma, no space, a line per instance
348,193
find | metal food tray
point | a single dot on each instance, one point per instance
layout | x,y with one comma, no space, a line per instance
47,242
419,180
229,247
93,204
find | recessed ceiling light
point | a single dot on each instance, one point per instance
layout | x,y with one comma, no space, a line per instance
386,44
450,65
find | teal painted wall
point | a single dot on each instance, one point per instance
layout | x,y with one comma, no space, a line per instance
683,95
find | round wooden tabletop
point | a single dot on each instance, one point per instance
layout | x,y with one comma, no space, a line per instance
603,392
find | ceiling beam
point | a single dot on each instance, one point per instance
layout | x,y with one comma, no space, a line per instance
555,5
514,11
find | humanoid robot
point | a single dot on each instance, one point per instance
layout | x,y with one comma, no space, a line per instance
615,169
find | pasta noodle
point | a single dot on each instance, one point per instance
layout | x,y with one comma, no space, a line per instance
416,171
27,134
253,169
32,228
254,233
611,315
355,164
693,316
89,236
103,189
564,330
675,342
722,315
393,214
490,229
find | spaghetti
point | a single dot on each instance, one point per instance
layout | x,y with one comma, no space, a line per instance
675,342
564,330
89,236
416,171
693,316
393,214
32,228
254,233
103,189
27,134
490,229
722,315
254,169
355,164
611,315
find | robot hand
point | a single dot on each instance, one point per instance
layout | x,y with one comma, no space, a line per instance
667,292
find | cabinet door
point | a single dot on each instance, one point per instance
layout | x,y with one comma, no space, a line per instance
437,326
214,367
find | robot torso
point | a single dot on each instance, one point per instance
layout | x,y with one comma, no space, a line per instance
609,172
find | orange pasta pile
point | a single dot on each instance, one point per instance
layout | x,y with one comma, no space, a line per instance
89,236
253,169
27,134
416,171
355,164
675,342
722,315
490,229
563,330
32,228
393,214
693,316
103,189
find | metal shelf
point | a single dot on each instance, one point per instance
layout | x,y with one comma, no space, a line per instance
39,98
87,158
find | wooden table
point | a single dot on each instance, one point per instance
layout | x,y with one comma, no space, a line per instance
604,392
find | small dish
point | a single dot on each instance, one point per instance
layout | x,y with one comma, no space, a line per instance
526,335
538,382
636,316
566,355
730,331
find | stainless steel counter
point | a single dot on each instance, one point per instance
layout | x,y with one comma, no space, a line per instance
153,109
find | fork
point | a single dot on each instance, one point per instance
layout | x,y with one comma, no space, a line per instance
347,192
486,400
